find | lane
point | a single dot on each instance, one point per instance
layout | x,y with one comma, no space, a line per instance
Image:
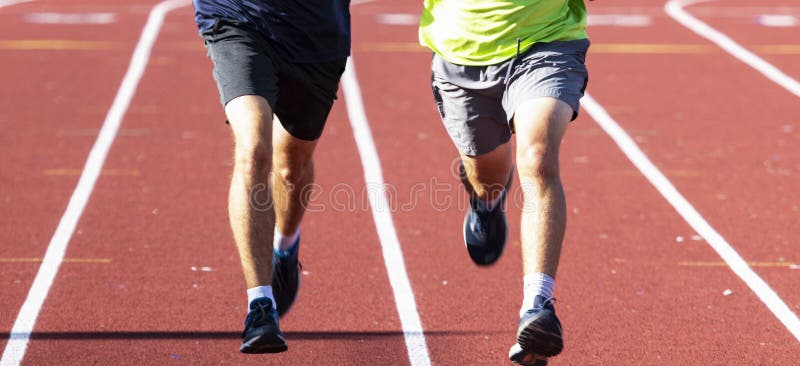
732,151
676,10
623,264
775,205
52,106
378,195
172,289
627,295
768,29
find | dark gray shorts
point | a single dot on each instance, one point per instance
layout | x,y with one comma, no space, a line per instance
477,103
300,94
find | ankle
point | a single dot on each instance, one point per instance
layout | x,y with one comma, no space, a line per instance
260,292
285,245
538,289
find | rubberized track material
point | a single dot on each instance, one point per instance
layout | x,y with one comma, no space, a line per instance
638,285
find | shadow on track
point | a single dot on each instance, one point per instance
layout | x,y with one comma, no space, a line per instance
324,335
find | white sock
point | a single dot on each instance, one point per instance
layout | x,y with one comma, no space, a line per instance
259,292
284,242
536,284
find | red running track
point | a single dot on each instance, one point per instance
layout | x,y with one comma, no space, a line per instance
151,275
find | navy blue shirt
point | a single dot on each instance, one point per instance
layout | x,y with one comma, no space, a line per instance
300,30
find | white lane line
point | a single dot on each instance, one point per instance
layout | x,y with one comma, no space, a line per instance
777,20
692,217
26,319
71,18
675,9
381,213
398,19
619,20
4,3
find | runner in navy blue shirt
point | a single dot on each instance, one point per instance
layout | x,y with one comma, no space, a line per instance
277,66
303,31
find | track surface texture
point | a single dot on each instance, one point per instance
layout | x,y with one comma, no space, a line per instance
150,275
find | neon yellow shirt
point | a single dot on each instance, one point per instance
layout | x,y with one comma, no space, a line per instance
485,32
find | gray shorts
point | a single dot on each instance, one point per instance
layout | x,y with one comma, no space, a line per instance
477,103
300,94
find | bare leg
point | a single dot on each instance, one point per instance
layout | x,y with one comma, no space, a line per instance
291,183
540,127
485,226
488,173
250,208
540,124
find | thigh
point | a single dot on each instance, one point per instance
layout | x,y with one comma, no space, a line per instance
290,152
474,118
306,92
250,118
556,70
541,123
243,62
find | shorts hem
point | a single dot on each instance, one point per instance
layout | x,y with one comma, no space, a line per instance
228,98
472,150
559,94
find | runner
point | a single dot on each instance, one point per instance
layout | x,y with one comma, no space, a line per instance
503,67
281,58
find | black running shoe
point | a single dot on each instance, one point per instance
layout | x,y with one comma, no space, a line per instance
521,357
286,279
539,334
485,231
261,333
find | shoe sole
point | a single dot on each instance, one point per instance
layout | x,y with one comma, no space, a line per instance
521,357
284,305
288,306
541,342
485,262
252,347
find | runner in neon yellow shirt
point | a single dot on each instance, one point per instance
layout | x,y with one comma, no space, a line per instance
503,67
480,32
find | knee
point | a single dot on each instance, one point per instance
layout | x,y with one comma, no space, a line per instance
538,163
486,191
294,173
251,120
253,156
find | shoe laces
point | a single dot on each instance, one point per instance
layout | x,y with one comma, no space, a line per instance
257,315
550,302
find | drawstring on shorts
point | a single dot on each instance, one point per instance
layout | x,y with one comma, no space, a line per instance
513,63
